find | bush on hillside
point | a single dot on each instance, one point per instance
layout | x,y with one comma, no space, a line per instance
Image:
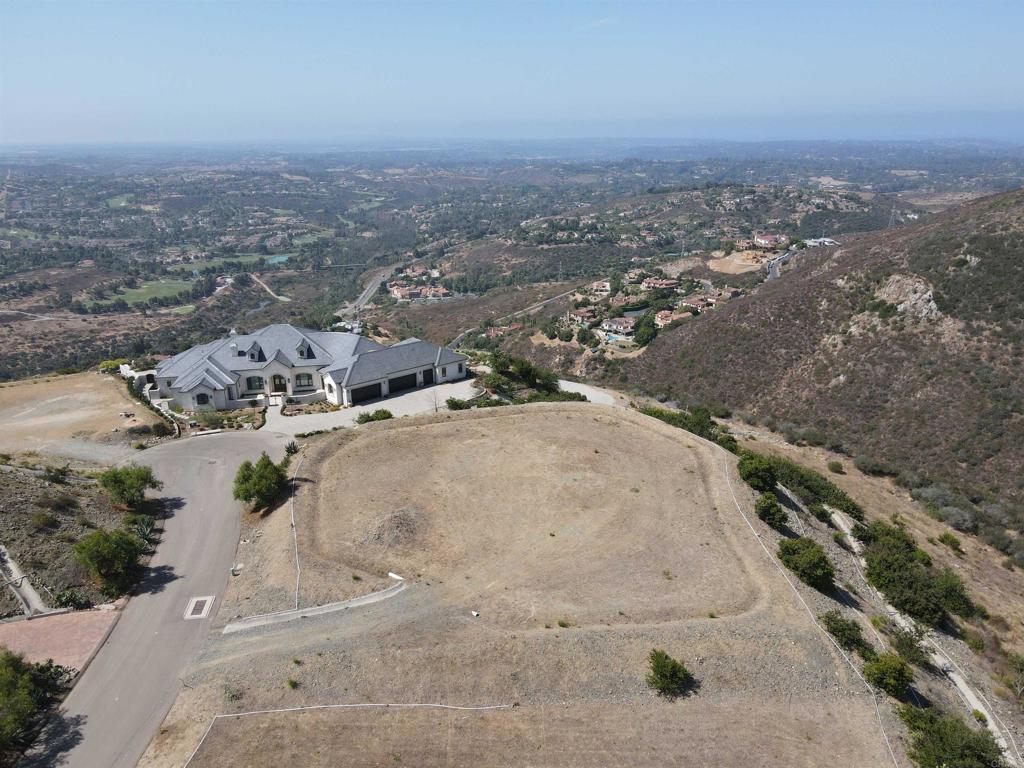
940,741
698,421
668,676
847,633
890,673
806,558
768,509
757,471
381,414
904,574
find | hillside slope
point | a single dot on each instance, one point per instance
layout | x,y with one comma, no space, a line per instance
903,345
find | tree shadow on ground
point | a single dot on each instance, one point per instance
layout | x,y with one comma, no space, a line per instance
164,507
60,735
154,579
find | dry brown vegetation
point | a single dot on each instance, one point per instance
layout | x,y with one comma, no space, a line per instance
583,536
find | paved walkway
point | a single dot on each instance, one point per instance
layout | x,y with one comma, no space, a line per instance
424,400
67,638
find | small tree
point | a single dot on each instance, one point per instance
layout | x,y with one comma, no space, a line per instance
127,485
890,673
769,510
111,557
668,676
757,472
808,561
260,484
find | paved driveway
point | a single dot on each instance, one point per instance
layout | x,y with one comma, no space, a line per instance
115,709
425,400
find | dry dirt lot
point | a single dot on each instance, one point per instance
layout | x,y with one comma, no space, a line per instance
737,263
72,416
584,536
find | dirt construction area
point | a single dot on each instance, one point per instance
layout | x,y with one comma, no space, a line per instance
76,416
547,549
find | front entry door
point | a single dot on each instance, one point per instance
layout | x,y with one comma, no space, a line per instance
278,384
428,376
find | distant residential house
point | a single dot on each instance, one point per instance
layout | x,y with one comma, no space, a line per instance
601,287
770,241
697,301
404,291
666,317
623,326
619,300
581,316
659,283
501,330
299,363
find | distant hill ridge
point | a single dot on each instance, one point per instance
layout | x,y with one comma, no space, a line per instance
904,345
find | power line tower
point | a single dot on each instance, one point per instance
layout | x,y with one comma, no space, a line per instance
892,216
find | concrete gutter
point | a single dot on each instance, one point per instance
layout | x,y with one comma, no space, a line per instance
282,617
30,600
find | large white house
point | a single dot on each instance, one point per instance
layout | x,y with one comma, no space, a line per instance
301,364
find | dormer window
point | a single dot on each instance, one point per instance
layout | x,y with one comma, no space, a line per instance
306,352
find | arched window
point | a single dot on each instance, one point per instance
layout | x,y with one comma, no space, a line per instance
202,399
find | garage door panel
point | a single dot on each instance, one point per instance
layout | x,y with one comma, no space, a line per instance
400,383
369,392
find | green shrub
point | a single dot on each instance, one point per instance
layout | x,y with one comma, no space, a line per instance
381,414
698,421
457,404
890,673
847,633
128,485
757,471
951,541
260,484
111,557
812,487
908,644
836,467
27,692
768,509
808,561
70,598
41,521
668,676
943,741
160,429
909,582
292,448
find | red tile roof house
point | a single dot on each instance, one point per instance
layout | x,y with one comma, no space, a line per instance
581,316
655,283
770,241
666,317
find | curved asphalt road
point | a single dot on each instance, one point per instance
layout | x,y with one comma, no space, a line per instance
117,706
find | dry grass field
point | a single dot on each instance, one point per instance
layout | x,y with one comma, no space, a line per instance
73,416
583,536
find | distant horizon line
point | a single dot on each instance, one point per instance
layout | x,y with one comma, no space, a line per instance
443,142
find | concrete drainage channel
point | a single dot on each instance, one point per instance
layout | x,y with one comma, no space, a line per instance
281,617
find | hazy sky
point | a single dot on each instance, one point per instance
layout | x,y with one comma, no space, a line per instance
318,71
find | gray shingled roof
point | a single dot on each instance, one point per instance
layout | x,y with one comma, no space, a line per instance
347,358
403,356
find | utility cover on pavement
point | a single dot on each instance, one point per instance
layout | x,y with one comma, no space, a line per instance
199,607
